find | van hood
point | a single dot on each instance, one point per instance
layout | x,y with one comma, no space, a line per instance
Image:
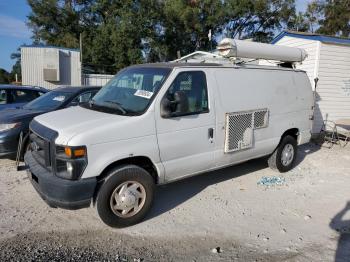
76,120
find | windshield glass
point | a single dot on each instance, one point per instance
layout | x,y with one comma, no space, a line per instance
130,91
49,101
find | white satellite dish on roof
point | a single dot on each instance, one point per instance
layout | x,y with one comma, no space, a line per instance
245,49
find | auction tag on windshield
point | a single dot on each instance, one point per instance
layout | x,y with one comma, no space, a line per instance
144,94
58,98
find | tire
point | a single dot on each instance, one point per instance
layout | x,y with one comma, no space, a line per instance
129,184
283,163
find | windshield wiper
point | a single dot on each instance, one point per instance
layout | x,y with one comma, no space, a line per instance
117,105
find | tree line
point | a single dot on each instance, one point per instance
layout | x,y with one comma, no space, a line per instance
117,33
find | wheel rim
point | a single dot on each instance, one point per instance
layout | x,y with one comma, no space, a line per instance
287,155
128,199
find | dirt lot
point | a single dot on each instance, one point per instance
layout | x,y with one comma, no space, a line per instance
302,215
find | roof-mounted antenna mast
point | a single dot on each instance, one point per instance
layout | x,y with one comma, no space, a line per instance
247,49
229,50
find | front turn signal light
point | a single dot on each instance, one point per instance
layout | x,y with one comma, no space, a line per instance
75,152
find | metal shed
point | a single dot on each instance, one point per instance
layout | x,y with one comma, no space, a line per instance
50,67
329,61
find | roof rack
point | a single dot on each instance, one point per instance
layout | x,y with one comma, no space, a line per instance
204,57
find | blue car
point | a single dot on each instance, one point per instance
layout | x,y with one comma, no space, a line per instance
15,121
13,96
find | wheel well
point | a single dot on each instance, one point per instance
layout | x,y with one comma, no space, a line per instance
140,161
294,132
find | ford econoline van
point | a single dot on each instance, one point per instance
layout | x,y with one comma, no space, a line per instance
157,123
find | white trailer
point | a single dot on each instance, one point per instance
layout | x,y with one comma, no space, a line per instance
329,61
50,67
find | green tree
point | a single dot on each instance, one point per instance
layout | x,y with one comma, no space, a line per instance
4,76
117,33
186,24
124,30
59,22
336,17
312,15
16,68
257,19
299,23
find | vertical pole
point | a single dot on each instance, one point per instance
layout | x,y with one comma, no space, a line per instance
81,58
210,38
178,54
314,104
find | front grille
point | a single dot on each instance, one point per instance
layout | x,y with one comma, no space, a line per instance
42,142
40,148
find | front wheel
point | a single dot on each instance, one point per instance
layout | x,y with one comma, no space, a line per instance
284,156
125,196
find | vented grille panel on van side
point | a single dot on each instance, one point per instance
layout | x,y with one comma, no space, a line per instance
261,118
239,131
240,127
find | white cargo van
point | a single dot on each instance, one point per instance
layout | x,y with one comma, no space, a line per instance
157,123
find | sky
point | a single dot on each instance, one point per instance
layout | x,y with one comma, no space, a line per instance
14,32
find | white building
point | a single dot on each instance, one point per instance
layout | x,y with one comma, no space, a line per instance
50,67
329,61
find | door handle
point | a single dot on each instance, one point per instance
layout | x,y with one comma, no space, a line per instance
211,133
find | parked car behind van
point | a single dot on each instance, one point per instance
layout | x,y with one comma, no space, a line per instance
14,96
16,120
157,123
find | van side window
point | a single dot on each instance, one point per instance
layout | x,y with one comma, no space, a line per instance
191,88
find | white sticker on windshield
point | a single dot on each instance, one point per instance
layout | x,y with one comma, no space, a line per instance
144,94
58,98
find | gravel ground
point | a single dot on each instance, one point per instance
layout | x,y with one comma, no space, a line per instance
242,213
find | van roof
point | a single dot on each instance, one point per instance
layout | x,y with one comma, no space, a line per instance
172,65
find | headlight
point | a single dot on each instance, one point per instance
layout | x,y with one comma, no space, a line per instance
70,161
4,127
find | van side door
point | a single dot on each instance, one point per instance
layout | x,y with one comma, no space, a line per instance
186,137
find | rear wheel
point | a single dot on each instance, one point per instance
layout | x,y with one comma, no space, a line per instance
284,156
125,197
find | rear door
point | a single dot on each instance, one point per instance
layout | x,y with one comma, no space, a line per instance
186,141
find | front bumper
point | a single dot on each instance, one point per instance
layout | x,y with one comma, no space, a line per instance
58,192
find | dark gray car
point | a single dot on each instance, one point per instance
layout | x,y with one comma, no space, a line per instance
13,96
14,121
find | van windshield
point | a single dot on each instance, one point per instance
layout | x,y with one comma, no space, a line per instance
130,92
